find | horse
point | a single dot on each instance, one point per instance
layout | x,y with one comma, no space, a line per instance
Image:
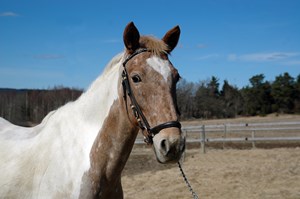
80,149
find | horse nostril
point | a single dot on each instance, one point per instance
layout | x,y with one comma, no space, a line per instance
164,146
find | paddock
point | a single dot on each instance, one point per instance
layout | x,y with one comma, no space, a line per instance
268,171
227,174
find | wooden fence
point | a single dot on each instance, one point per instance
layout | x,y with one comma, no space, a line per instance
240,133
243,132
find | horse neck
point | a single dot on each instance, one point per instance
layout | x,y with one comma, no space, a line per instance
109,153
95,103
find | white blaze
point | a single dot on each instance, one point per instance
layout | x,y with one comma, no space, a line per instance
160,65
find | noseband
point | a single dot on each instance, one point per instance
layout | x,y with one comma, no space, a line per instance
140,117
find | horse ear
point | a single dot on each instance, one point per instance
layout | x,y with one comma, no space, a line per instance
131,37
171,38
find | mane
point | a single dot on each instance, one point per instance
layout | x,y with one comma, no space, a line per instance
113,62
102,92
153,44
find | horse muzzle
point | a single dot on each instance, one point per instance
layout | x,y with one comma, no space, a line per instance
168,145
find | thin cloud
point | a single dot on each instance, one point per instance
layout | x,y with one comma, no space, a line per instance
9,14
232,57
292,63
209,56
180,45
29,73
201,46
49,56
262,57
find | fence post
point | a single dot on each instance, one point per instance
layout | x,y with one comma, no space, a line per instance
203,139
224,135
253,136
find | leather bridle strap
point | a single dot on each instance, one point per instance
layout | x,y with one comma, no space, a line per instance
140,117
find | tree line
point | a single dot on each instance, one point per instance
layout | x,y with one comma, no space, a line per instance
27,107
207,100
204,99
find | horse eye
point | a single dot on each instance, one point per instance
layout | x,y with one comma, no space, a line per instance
136,78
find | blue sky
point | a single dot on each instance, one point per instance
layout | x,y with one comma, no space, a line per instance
44,43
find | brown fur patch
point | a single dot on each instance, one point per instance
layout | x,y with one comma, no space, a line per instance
156,46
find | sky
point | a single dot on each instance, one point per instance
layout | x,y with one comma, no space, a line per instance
47,43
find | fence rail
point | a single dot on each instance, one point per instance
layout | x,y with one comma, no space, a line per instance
241,132
246,132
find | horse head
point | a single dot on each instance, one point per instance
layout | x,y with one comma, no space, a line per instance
149,88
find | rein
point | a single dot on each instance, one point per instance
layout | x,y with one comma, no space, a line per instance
138,113
195,196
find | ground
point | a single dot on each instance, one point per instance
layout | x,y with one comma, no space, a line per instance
228,174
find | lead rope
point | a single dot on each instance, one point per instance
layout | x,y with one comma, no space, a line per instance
195,196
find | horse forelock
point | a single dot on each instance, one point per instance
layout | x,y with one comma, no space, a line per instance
156,46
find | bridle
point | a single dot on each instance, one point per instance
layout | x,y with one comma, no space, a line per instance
143,124
141,119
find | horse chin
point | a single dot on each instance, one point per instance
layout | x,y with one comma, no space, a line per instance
167,160
170,156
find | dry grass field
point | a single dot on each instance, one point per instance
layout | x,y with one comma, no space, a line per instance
228,174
